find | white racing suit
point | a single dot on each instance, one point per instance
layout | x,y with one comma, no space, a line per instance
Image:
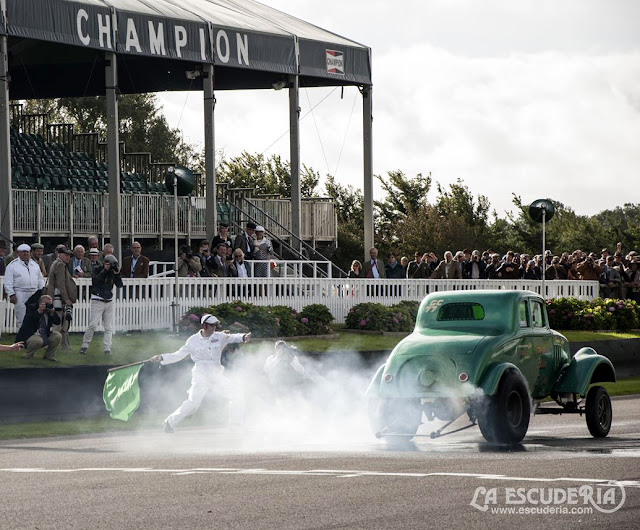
207,374
22,279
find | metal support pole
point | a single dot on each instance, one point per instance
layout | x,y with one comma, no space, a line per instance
294,155
211,214
6,195
176,296
544,250
367,126
113,150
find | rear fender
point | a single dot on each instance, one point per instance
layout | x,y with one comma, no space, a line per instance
493,374
374,387
586,367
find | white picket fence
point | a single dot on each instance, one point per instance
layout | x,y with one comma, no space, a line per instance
146,304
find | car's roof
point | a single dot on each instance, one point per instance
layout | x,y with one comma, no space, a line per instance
483,295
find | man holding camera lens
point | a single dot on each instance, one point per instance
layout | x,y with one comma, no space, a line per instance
36,330
188,264
104,278
61,287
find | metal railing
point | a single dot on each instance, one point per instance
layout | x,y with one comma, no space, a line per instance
275,268
53,213
146,304
283,236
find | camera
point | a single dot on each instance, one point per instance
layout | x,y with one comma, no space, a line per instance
49,307
189,255
67,315
115,269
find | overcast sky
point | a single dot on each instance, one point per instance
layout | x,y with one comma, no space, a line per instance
539,98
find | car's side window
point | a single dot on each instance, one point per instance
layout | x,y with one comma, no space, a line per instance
537,315
523,311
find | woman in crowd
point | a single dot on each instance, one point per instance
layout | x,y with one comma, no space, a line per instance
531,272
356,270
262,250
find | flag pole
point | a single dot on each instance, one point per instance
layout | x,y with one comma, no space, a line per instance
128,365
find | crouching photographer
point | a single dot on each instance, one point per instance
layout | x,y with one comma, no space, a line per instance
36,330
102,305
283,369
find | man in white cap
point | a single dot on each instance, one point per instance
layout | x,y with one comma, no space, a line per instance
205,348
22,279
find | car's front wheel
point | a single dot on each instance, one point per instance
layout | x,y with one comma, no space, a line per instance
504,417
394,415
598,412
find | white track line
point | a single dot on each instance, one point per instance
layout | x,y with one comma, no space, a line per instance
338,473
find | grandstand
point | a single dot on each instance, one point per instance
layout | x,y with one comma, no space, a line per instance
60,181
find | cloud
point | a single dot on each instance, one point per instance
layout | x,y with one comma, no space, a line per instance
544,124
536,98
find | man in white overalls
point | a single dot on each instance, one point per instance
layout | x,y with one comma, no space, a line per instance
23,278
205,348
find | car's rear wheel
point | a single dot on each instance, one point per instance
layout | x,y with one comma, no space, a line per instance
504,417
394,415
598,412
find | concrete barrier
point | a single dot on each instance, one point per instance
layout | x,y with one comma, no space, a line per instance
50,394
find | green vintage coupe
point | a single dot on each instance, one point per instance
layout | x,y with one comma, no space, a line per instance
489,356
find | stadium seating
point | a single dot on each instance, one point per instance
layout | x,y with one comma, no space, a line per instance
38,164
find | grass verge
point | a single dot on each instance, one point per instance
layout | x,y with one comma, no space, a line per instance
136,346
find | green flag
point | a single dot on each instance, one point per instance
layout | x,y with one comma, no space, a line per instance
121,392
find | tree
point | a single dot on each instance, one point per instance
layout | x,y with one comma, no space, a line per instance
405,196
350,213
271,176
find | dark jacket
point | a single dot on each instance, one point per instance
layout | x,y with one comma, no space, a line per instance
396,272
412,269
244,243
467,269
141,270
513,272
31,323
233,269
103,282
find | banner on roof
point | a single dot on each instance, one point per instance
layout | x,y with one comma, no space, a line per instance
141,34
257,51
87,23
318,59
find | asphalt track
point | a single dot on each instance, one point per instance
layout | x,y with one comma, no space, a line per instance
212,478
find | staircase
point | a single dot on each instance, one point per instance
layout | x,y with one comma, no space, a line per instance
286,245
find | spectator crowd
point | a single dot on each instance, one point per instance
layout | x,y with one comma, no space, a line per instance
43,290
42,287
617,272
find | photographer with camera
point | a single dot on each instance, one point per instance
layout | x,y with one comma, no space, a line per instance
589,269
61,287
102,310
283,369
188,264
36,330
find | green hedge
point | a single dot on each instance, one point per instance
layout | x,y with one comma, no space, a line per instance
564,313
604,314
261,321
378,317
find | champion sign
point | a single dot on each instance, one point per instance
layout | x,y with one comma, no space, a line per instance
335,62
